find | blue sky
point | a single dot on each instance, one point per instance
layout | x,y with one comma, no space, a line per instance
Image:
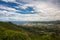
29,10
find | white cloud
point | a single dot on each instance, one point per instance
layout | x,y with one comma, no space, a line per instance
45,11
9,0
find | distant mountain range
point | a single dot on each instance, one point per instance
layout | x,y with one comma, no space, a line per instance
43,22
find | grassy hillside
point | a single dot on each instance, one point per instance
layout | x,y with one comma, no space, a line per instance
10,31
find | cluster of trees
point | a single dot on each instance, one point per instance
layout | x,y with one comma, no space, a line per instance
10,31
6,34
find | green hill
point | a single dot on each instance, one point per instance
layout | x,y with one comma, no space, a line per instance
10,31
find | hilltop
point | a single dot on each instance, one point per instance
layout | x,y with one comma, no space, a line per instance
10,31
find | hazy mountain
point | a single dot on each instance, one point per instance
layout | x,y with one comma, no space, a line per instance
45,22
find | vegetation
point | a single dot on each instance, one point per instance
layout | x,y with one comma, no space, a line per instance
10,31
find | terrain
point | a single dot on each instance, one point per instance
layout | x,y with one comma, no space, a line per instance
11,31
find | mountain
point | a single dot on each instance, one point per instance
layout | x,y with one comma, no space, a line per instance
10,31
43,22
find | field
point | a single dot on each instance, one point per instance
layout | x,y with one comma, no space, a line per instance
10,31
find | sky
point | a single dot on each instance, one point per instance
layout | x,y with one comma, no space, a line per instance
29,10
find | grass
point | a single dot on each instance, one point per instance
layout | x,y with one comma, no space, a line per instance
10,31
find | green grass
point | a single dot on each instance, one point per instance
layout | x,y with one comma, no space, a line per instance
10,31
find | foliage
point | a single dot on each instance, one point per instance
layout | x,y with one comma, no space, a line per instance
10,31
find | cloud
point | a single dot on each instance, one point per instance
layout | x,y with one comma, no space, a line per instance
9,0
33,10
